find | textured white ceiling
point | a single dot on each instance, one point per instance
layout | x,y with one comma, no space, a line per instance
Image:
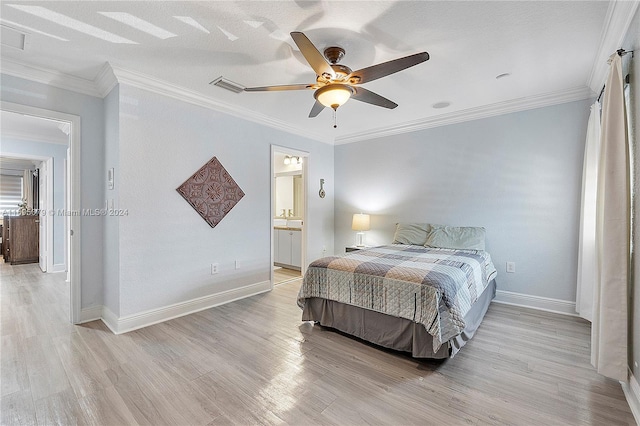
548,47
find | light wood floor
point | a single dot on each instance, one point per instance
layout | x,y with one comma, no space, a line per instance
283,275
254,362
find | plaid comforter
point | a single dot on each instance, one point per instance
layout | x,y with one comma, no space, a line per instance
431,286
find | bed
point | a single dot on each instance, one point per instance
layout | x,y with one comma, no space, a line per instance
425,294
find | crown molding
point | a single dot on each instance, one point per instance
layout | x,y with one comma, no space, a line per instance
165,88
109,76
615,28
47,76
106,80
500,108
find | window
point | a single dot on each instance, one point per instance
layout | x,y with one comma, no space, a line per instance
10,194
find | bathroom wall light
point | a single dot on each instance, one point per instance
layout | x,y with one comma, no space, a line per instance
290,159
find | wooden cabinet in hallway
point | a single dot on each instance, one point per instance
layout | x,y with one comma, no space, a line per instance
20,239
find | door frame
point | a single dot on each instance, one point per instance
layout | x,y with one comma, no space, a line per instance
47,219
43,180
305,177
73,205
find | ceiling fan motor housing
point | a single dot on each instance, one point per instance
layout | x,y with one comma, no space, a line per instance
333,54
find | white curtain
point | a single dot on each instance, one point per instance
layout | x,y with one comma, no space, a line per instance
587,266
610,313
27,191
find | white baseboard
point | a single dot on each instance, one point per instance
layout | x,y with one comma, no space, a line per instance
91,313
144,319
58,267
110,319
632,393
548,304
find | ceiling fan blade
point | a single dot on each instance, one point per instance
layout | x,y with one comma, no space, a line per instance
317,109
363,95
381,70
319,64
279,88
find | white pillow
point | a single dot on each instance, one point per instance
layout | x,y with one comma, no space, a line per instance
411,233
456,237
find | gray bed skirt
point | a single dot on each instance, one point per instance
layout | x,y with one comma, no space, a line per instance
393,332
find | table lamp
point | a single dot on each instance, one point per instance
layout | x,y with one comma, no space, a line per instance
360,223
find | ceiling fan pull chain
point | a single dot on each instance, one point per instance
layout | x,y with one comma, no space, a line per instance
335,118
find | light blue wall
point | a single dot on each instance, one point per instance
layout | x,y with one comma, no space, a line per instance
161,252
90,110
59,154
111,247
165,247
518,175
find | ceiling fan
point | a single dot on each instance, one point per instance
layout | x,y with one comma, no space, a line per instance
336,83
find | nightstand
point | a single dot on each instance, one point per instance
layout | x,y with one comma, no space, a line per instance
354,248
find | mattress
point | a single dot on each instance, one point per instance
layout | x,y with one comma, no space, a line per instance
433,287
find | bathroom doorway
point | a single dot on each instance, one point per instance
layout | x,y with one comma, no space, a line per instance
289,202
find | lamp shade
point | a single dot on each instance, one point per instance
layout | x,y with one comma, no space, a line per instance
360,222
333,95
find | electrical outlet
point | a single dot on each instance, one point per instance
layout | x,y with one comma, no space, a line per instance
511,267
237,264
214,268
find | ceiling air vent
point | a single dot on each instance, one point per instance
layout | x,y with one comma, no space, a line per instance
12,37
227,84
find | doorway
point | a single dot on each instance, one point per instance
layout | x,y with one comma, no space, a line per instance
288,214
35,237
69,223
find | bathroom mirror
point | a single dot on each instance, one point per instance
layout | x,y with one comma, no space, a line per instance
289,200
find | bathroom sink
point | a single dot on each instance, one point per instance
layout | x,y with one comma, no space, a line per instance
280,222
294,223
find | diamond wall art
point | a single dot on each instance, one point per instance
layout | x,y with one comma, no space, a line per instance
211,191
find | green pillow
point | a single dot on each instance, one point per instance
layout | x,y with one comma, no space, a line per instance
411,233
456,237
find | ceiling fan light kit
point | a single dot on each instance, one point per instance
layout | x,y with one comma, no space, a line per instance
333,95
336,83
